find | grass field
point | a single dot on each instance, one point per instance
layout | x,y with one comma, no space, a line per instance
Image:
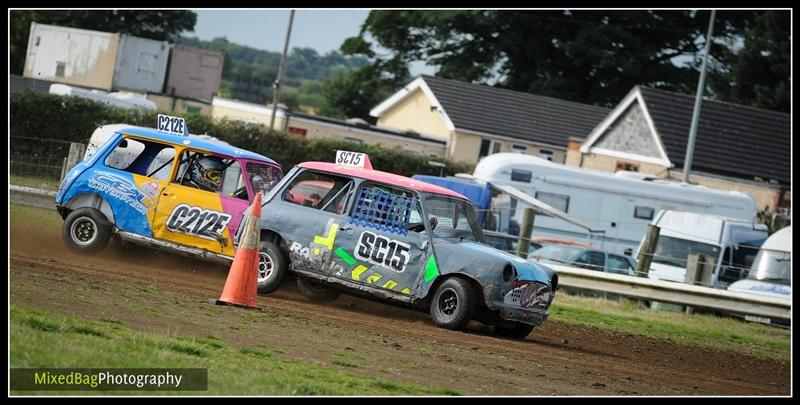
43,339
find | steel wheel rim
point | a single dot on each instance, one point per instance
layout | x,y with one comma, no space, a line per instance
448,302
266,267
83,231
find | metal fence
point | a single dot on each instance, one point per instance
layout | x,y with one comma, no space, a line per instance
41,163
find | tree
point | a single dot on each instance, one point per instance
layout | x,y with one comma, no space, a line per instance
588,56
153,24
758,72
353,95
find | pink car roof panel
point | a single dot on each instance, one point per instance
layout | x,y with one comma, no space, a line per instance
382,177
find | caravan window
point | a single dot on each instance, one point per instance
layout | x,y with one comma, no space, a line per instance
643,213
521,175
557,201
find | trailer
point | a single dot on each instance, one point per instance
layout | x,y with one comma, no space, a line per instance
141,64
71,56
617,207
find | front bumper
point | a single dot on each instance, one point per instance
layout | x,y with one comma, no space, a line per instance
530,316
524,301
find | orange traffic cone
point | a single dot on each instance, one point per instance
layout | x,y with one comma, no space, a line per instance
240,287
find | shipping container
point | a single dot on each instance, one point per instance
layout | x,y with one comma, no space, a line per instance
141,64
194,73
71,56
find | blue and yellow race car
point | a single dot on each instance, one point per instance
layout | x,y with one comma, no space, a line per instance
162,189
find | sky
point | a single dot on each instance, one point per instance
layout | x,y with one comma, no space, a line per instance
322,30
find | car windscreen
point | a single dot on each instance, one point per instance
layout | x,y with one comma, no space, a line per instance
674,251
772,266
452,218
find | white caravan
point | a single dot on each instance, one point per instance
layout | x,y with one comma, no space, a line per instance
620,205
771,273
731,243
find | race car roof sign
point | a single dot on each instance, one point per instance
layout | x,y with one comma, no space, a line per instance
353,159
172,125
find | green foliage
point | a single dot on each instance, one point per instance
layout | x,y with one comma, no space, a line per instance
353,95
251,72
153,24
588,56
759,72
48,116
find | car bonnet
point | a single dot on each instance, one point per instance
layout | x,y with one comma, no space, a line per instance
525,269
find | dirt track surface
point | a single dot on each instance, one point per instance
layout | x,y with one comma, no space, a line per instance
383,341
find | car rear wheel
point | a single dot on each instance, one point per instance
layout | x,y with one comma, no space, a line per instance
86,231
316,291
515,330
453,304
272,267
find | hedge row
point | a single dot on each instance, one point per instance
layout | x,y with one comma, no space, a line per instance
48,116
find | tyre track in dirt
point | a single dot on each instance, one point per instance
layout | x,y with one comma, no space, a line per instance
593,362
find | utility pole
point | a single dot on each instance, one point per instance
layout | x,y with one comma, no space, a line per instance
698,99
277,85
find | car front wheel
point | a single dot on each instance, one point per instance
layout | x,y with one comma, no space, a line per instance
453,304
86,231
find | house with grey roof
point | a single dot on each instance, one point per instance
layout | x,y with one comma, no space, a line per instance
737,148
476,120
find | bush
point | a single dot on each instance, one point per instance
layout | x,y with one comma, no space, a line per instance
48,116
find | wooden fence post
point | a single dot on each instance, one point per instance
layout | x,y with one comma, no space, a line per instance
646,254
524,242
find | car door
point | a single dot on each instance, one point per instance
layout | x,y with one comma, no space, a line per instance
591,260
130,178
376,248
197,215
620,265
309,213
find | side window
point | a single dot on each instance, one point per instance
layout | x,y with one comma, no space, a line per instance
521,175
385,208
620,265
317,190
591,261
210,172
643,213
557,201
145,158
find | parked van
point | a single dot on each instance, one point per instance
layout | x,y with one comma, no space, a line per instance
771,273
731,243
620,205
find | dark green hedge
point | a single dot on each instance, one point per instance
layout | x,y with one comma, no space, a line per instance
47,116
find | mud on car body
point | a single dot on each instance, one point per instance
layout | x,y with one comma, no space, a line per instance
397,239
181,193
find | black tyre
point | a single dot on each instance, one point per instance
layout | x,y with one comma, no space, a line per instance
86,231
453,304
514,330
272,267
316,291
